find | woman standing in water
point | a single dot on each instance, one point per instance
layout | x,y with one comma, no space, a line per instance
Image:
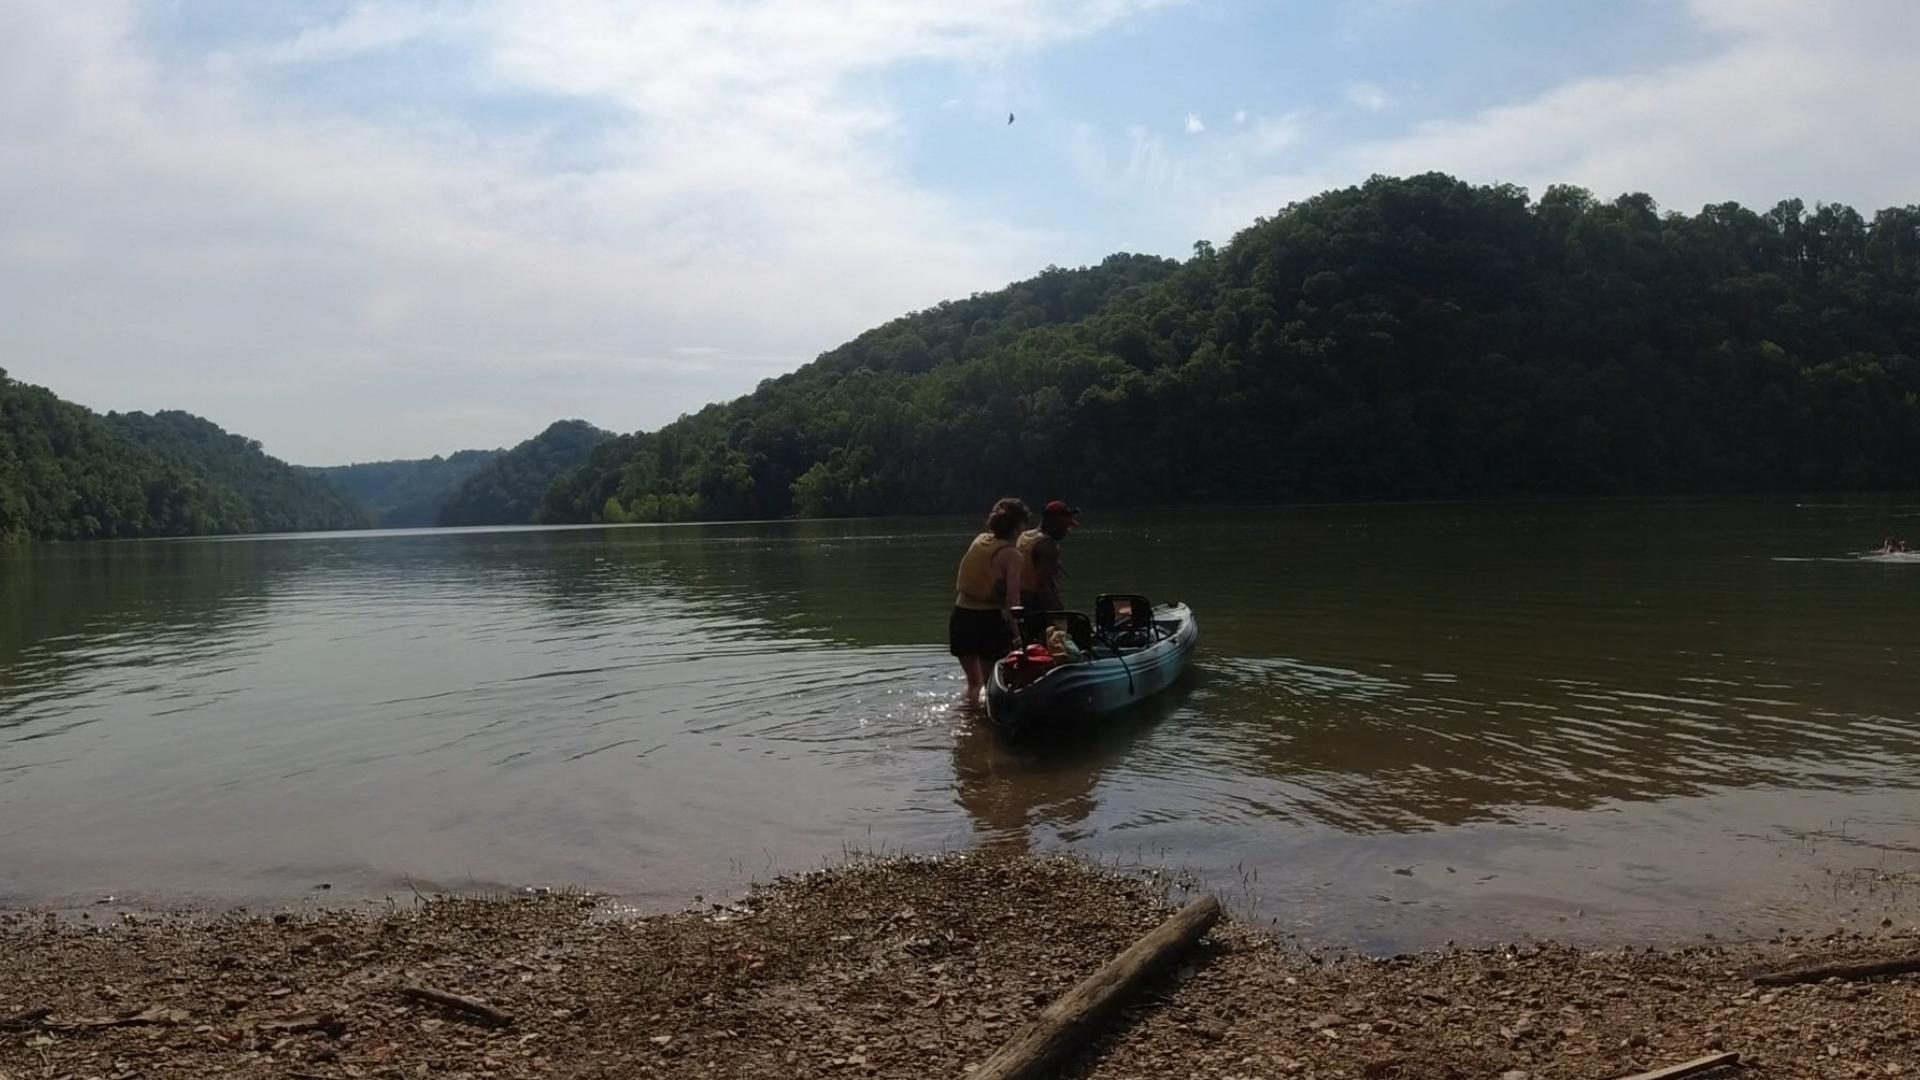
981,629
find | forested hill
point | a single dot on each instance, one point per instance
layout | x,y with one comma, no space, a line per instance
851,412
67,473
508,489
278,496
1408,337
406,493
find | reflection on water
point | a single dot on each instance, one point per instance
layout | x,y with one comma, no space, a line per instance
1407,722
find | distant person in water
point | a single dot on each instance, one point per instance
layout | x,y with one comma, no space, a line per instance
1041,548
1893,546
981,629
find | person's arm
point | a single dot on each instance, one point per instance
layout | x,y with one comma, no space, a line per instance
1014,561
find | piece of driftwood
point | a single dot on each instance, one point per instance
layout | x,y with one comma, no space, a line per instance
158,1014
1862,969
1689,1068
22,1020
459,1003
1066,1025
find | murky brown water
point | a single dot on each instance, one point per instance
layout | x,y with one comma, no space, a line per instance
1408,723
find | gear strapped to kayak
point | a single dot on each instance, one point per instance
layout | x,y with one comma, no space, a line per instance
1069,668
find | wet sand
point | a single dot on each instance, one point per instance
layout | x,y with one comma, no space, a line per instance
899,968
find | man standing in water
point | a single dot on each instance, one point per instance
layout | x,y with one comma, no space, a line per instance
1040,584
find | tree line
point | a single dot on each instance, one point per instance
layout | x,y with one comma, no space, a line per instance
1409,337
1412,337
67,473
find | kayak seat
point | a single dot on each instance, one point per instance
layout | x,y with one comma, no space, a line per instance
1125,621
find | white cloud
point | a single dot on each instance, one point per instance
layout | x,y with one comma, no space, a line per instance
1799,99
1194,126
179,234
1369,96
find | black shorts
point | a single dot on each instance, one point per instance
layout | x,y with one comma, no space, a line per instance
985,634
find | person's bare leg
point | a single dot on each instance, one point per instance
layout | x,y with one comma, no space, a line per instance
976,669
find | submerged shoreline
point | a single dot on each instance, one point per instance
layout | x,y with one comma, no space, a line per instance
902,967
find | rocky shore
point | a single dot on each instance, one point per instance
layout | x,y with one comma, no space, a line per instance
899,968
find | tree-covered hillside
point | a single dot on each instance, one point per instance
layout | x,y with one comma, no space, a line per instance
1408,337
847,417
279,497
508,489
67,473
406,493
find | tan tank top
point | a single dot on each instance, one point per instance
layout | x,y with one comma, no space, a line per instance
979,584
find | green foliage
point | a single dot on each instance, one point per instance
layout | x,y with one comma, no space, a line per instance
863,399
406,493
277,496
1407,337
508,489
67,473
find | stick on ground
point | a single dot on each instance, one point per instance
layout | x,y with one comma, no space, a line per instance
1064,1026
25,1019
156,1014
1865,969
1690,1068
471,1006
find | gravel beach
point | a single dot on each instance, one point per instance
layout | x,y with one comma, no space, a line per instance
895,968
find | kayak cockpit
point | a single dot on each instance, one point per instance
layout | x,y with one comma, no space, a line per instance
1068,667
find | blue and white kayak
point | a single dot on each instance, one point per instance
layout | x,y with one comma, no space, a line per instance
1124,665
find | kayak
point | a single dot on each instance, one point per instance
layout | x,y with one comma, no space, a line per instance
1131,652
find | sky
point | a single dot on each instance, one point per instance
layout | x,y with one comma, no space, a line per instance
362,229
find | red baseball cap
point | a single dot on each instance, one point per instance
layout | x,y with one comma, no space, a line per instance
1059,508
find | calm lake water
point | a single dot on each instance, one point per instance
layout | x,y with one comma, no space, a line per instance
1407,723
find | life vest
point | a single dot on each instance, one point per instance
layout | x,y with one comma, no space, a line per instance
1028,540
1033,581
979,582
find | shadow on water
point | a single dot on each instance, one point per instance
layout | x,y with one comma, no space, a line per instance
1049,780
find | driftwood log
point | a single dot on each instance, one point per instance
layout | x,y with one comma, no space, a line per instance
473,1007
1689,1068
1064,1026
1864,969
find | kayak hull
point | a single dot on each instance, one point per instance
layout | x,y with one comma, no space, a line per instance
1097,687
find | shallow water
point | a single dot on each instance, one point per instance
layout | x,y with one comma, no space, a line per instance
1407,722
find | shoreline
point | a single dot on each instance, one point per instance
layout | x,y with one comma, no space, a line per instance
898,967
